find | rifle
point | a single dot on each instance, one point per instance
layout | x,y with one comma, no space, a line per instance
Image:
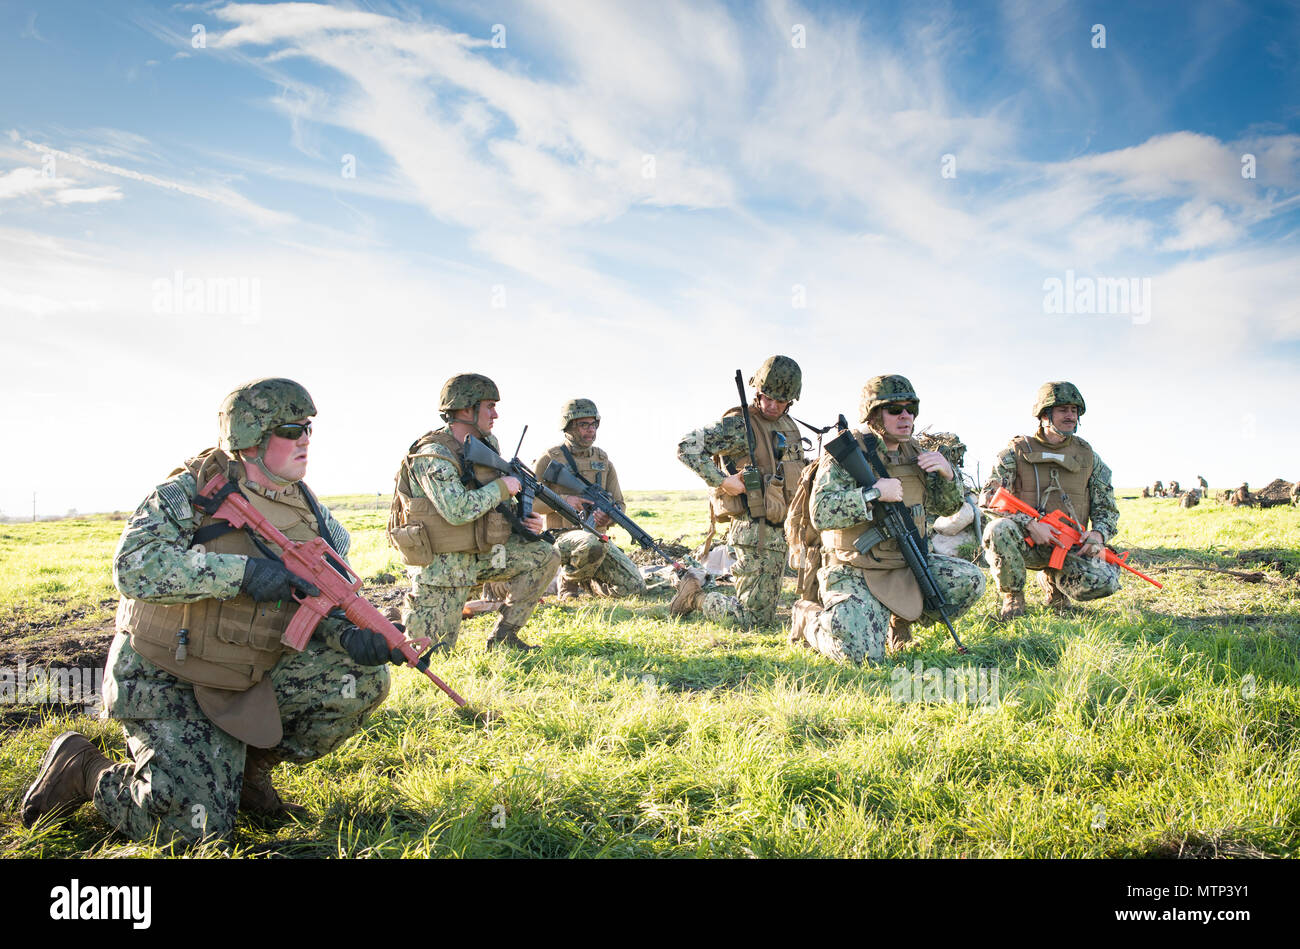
1069,533
602,500
315,561
893,522
478,453
750,474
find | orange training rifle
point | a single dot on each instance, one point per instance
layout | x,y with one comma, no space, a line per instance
1068,532
316,561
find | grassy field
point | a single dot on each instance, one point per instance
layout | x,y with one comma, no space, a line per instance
1153,723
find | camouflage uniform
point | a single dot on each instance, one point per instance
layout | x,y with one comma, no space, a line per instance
758,545
854,624
583,555
1006,538
186,774
440,589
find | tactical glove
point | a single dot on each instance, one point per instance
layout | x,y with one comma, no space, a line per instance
268,580
368,648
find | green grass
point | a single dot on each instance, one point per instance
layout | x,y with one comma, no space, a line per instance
1148,723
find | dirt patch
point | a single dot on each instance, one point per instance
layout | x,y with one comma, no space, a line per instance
1286,562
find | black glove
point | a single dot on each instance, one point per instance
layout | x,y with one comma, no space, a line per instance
268,580
368,648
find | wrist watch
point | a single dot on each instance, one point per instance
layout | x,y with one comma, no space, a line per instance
869,495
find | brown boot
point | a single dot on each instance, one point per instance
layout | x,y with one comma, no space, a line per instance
1013,605
571,589
688,596
508,635
900,633
69,772
259,796
802,615
1055,599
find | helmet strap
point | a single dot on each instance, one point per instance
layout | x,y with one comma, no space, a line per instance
260,461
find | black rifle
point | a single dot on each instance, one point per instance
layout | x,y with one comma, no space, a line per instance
892,522
478,453
750,474
602,500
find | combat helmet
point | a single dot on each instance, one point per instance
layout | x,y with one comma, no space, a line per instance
577,408
882,390
248,414
1052,394
466,390
778,378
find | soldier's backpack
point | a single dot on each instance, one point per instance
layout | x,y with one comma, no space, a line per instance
804,540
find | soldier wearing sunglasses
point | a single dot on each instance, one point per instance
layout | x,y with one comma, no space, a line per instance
209,698
869,601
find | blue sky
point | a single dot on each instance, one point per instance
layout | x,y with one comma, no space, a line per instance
627,202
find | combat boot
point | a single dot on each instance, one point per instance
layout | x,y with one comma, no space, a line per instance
571,589
1052,595
507,635
1013,605
259,796
900,633
69,772
803,614
688,596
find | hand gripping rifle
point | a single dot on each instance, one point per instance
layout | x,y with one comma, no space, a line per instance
315,561
602,500
1069,533
478,453
892,522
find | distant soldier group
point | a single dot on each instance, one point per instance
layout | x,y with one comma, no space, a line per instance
211,698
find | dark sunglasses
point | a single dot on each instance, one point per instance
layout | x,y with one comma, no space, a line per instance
292,430
898,408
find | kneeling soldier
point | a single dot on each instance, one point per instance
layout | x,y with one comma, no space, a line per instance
587,560
208,696
870,598
1053,469
449,527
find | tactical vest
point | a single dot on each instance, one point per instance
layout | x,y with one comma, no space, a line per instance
900,464
1054,476
231,643
416,528
780,481
593,464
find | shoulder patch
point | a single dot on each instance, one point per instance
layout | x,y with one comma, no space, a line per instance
176,500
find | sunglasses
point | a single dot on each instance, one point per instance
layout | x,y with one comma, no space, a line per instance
292,430
898,408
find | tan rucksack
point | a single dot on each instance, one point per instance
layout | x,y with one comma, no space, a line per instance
805,541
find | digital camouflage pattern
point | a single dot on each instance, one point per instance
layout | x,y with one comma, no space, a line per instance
256,407
1009,555
853,625
440,589
1103,512
462,391
779,378
837,500
881,390
578,408
760,549
154,562
185,775
1051,394
584,556
758,573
